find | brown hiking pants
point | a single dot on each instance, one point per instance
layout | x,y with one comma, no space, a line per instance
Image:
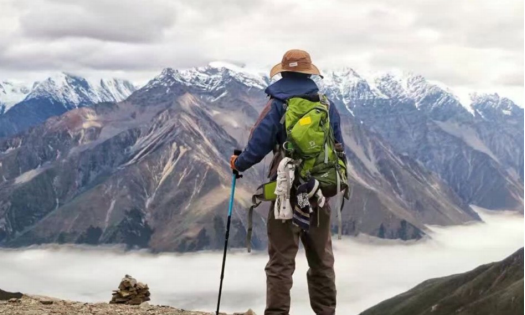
283,244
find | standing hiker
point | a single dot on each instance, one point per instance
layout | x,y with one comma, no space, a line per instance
309,219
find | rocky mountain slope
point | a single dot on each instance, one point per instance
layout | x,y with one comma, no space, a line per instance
476,149
152,172
56,95
465,144
393,195
495,288
12,93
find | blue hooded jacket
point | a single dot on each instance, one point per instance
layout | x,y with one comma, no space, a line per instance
269,131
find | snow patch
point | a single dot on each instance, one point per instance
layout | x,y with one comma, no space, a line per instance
108,213
359,151
28,176
220,96
468,135
8,150
172,162
175,154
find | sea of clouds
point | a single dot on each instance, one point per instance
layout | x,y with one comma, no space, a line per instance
368,270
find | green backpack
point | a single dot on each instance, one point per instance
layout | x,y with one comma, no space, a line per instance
310,142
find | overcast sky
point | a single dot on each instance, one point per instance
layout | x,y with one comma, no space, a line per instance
469,45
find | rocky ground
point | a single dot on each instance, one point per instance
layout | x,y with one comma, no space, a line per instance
36,305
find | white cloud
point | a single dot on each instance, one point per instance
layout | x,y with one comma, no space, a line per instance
130,21
367,270
469,45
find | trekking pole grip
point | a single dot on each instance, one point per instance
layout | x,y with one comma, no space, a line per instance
236,172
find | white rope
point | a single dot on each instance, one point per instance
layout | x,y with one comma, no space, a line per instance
285,177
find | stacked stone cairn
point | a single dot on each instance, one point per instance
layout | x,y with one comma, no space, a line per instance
130,292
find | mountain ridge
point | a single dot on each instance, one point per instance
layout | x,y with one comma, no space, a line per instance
137,165
58,94
495,288
113,173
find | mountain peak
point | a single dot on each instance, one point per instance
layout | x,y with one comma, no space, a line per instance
12,92
73,90
493,100
211,77
167,72
493,106
252,77
428,95
342,76
349,72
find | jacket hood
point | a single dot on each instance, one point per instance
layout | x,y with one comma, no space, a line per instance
286,88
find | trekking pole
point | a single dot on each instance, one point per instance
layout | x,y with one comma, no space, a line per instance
235,175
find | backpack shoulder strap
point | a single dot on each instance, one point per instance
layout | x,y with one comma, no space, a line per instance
323,99
285,107
263,113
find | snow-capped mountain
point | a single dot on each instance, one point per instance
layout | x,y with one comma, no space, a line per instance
152,171
427,122
12,93
346,85
464,143
234,92
493,107
500,127
75,91
58,94
420,118
432,98
351,89
212,78
157,159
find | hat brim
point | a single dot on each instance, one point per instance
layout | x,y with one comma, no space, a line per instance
278,69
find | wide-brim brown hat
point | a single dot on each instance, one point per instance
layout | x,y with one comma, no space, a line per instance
296,60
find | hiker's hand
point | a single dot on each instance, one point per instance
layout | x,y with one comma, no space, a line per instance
233,158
